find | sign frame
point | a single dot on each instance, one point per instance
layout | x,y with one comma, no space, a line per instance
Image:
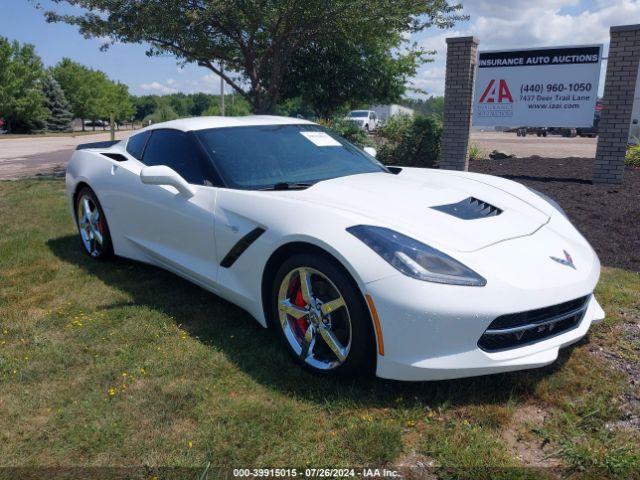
558,94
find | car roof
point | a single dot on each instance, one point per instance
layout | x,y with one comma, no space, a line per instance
202,123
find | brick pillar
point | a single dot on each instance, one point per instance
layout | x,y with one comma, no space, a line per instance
458,97
619,88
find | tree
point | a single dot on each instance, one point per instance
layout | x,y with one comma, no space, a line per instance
60,116
78,84
345,74
144,106
91,93
234,107
430,106
163,112
113,99
21,97
200,102
251,44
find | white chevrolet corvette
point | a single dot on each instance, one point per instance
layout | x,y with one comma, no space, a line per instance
421,274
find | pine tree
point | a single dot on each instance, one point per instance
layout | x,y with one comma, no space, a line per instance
56,102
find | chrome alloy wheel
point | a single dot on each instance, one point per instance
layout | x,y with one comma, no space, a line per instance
90,225
314,318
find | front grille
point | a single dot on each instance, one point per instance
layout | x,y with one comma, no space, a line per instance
469,209
519,329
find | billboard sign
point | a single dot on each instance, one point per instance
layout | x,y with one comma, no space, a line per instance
541,87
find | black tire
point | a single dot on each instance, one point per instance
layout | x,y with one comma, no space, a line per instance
106,248
361,356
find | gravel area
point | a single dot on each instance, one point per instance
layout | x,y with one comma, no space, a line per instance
607,215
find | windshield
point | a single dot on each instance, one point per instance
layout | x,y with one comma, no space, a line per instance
266,155
359,113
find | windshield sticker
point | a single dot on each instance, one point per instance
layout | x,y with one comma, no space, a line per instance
321,139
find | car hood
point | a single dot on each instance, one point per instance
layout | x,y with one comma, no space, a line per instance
405,202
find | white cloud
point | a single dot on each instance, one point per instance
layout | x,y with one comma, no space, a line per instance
157,87
546,24
430,79
513,8
522,23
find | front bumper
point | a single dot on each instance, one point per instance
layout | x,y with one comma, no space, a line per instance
431,331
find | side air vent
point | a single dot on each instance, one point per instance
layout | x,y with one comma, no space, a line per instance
469,209
118,157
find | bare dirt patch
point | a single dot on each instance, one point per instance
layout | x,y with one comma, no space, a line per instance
628,334
414,465
523,443
607,215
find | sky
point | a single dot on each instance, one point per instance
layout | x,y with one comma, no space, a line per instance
497,24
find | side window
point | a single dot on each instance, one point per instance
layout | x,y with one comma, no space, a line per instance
175,149
136,144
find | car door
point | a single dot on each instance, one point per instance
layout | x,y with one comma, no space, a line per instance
164,226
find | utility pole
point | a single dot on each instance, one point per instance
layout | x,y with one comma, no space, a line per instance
112,126
221,90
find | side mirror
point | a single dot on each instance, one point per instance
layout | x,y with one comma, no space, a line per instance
163,175
371,151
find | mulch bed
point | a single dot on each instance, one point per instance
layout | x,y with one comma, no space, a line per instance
607,215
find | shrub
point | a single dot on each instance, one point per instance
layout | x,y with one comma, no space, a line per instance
412,142
394,128
632,159
475,152
350,131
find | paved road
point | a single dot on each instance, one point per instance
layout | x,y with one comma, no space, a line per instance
25,157
552,146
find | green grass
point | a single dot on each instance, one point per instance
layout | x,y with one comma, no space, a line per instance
122,364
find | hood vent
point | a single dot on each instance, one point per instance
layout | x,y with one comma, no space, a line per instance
469,209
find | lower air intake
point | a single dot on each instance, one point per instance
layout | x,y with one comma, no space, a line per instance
519,329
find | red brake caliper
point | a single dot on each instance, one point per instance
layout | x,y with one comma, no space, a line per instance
299,302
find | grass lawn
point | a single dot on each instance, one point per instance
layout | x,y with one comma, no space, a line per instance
122,364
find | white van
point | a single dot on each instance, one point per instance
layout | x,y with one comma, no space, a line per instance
365,119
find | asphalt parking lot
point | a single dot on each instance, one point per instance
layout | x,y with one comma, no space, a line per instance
28,156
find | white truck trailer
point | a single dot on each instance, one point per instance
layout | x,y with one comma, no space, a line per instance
385,112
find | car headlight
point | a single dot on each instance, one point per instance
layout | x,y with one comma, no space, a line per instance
550,201
416,259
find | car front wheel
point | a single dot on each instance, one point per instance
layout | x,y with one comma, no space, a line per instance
92,225
322,317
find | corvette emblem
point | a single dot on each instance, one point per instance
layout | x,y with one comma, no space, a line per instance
567,260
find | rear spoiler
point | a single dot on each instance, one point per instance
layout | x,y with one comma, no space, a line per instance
84,146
